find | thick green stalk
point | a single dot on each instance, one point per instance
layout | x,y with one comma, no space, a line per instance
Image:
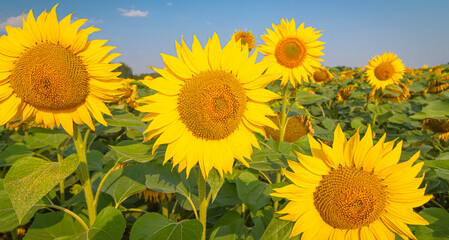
203,202
84,174
283,121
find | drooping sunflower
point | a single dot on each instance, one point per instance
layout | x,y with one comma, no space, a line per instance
438,84
128,93
344,93
296,127
384,70
246,39
292,51
353,190
440,126
209,103
52,75
392,93
151,196
321,75
346,74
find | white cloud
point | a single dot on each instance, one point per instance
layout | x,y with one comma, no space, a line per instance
132,13
169,4
12,21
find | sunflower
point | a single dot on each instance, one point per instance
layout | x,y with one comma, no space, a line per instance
321,75
292,51
296,127
52,75
209,103
436,70
353,190
392,93
344,93
439,84
440,126
154,196
128,93
246,39
384,70
346,74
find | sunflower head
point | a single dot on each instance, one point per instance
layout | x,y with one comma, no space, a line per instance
154,196
208,104
344,93
354,188
297,126
292,51
438,84
384,70
440,126
436,70
424,66
246,39
51,74
321,75
128,93
346,74
392,93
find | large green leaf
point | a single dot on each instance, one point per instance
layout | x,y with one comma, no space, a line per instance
278,229
8,217
229,227
124,182
252,191
306,98
41,139
435,109
30,178
153,226
12,153
124,119
165,178
438,227
109,225
137,151
53,225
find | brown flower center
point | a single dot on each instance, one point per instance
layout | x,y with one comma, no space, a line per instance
212,104
49,76
290,52
384,71
350,198
320,76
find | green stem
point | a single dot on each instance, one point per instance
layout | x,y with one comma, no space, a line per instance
283,114
278,179
84,174
203,202
97,194
164,204
61,184
437,203
74,215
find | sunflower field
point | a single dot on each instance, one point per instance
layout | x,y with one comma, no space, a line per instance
243,140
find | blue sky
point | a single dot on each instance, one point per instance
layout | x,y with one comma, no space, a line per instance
354,31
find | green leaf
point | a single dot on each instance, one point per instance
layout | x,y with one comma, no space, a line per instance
8,217
124,182
435,109
109,225
215,182
229,227
306,98
30,178
438,227
40,139
12,153
166,179
252,191
94,160
123,118
153,226
137,151
53,225
278,229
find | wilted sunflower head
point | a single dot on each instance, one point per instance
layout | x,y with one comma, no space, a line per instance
392,93
128,93
292,51
296,127
438,84
246,39
344,93
384,70
321,75
438,126
346,74
154,196
50,73
353,190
